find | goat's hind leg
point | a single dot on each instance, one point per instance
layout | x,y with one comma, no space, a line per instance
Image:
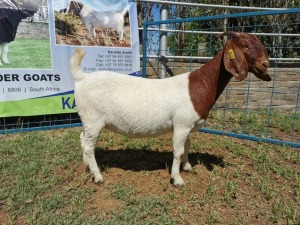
186,166
89,139
180,141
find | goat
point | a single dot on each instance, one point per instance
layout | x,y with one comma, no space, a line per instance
139,108
91,19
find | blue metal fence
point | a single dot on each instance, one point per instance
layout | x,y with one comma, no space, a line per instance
43,122
260,112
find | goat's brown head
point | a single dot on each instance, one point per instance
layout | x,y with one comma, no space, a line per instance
243,53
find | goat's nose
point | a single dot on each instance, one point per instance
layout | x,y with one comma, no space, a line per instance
266,64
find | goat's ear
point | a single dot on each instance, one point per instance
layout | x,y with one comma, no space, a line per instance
234,61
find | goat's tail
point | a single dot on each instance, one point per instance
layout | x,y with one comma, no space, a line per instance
125,10
75,64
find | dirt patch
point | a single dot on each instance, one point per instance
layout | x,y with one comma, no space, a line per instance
233,181
4,217
221,181
104,204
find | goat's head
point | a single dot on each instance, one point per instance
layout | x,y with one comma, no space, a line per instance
75,8
243,53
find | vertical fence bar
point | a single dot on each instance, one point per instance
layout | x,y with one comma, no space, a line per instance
223,128
225,109
247,105
163,41
145,33
295,114
277,49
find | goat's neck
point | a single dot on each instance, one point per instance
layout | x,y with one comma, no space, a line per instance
207,83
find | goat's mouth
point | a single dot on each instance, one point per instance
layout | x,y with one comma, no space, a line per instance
261,73
263,76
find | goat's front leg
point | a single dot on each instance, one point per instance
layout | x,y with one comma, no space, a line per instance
88,139
180,140
120,35
92,32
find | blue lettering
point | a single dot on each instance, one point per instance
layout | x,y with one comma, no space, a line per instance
65,103
74,104
68,103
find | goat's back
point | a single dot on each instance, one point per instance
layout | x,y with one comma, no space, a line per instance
113,20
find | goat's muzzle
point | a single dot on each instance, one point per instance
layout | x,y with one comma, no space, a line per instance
263,76
260,71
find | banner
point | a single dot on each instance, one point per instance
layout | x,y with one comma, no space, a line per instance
34,66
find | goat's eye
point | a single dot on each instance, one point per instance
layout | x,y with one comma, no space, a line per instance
244,45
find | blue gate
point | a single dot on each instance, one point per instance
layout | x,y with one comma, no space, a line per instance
249,109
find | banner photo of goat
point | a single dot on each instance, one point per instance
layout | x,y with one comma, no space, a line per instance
107,30
93,23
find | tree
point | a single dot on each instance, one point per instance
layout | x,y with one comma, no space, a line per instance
187,44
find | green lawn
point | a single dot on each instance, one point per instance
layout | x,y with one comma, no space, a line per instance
43,181
29,53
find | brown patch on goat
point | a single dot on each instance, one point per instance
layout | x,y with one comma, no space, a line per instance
241,54
207,83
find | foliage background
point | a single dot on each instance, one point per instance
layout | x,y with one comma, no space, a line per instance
187,44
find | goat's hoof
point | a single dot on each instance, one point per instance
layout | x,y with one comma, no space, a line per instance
178,182
187,167
98,179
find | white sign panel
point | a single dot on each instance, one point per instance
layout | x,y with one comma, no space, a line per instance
37,80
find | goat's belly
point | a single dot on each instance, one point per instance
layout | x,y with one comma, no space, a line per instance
198,125
140,131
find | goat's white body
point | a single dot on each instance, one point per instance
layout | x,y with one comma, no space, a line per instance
136,107
92,19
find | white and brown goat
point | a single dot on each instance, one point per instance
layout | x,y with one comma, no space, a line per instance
139,108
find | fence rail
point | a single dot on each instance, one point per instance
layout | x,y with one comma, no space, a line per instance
276,120
280,101
208,5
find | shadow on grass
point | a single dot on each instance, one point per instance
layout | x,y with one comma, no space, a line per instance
141,159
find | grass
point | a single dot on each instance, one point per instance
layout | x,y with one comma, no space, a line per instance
139,210
260,123
43,181
29,53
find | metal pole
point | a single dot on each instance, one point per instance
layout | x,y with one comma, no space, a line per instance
163,41
145,34
208,5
